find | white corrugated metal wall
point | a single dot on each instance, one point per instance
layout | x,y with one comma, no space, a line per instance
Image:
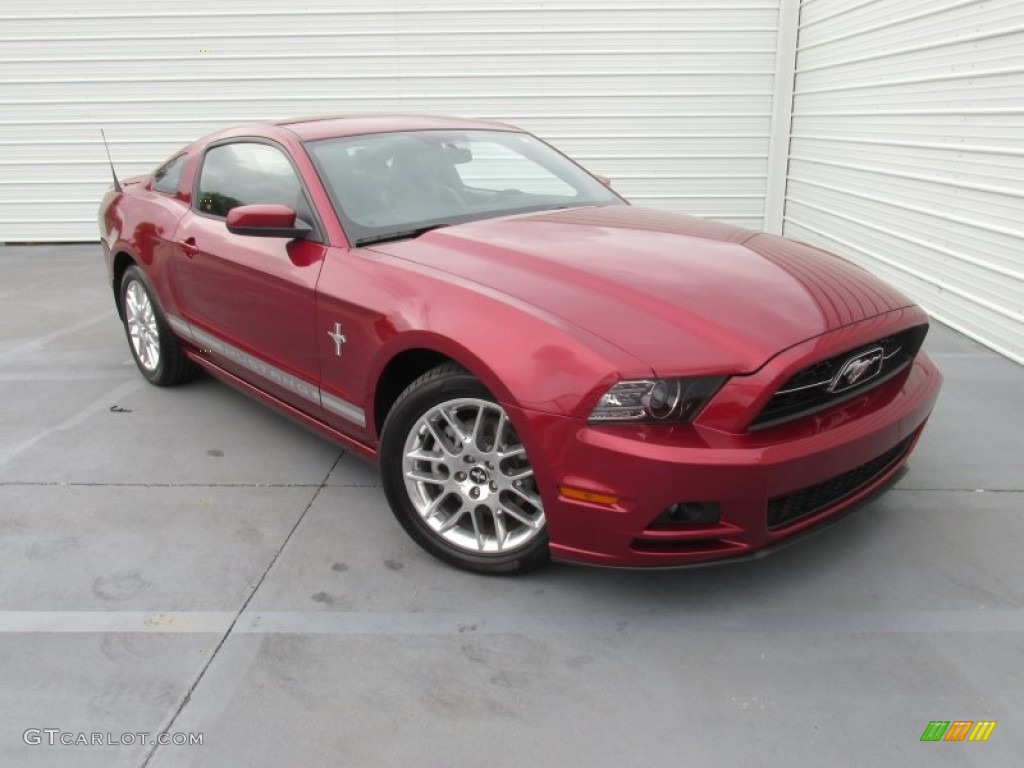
670,99
907,152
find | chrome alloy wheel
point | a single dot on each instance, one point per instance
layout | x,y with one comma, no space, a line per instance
468,477
142,329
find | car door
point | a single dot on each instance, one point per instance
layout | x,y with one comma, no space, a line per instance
250,301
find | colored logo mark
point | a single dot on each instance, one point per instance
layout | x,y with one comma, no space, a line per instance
958,730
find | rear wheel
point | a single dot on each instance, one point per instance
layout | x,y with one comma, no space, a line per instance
458,478
154,347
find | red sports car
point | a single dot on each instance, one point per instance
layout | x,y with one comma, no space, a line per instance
539,368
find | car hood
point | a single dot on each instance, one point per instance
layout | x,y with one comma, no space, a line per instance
682,294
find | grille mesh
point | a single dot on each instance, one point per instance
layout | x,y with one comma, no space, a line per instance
784,510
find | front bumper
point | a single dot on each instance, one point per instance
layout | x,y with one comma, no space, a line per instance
865,440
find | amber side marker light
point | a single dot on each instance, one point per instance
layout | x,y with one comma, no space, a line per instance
578,494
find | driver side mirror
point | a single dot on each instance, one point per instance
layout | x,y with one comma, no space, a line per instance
603,179
266,221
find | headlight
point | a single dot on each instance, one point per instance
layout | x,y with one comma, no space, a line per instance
668,400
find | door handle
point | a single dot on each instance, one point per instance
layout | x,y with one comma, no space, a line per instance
188,245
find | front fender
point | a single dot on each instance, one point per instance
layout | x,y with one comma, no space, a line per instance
528,358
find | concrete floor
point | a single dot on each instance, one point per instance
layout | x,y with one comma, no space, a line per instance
196,563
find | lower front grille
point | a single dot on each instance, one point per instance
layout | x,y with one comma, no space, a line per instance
788,509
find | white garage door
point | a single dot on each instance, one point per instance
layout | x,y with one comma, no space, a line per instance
907,152
670,99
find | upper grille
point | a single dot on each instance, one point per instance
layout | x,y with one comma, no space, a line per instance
810,389
783,510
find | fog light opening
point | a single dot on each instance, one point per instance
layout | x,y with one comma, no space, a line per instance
690,513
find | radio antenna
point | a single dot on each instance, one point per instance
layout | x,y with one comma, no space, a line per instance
117,184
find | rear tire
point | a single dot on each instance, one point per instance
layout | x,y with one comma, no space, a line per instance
154,346
457,477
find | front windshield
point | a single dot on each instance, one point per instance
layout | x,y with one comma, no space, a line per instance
391,185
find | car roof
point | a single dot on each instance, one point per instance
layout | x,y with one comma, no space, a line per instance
313,128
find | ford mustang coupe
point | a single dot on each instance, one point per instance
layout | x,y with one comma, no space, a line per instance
540,369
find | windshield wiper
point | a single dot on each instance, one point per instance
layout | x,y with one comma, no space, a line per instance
404,234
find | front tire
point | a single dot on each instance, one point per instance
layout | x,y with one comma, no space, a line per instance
457,476
155,348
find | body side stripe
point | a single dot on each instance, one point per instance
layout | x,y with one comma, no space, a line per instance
301,387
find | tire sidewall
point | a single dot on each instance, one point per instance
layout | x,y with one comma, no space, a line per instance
408,409
167,347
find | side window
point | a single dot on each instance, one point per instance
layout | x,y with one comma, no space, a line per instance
246,173
167,176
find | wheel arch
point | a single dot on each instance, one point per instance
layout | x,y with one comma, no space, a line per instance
400,366
397,374
119,266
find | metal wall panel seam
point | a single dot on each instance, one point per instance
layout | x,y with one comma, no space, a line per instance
663,29
974,74
420,75
891,202
1010,191
407,10
926,112
782,116
901,235
525,116
333,97
979,148
488,53
922,276
977,38
889,23
846,8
